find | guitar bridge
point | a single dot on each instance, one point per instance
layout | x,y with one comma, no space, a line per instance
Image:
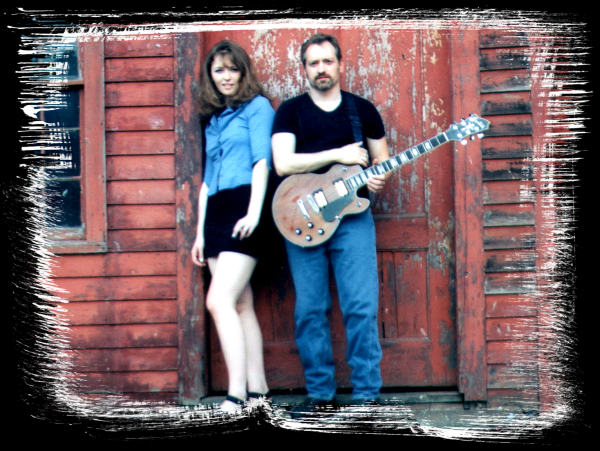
302,208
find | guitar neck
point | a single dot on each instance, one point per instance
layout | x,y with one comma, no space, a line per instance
359,180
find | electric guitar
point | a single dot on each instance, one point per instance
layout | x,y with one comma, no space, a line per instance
307,208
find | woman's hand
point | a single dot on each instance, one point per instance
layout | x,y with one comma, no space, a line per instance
245,226
198,252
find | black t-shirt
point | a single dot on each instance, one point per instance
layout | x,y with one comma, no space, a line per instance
318,130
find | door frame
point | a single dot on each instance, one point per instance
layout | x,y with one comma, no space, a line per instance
192,380
470,302
468,207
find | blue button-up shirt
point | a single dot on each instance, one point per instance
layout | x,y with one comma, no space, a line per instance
236,140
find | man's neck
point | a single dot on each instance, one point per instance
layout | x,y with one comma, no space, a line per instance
326,100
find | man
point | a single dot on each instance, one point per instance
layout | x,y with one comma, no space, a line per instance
310,133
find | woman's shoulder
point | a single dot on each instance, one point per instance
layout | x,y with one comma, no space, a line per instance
259,102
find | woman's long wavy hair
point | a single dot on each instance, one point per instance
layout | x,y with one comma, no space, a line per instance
210,99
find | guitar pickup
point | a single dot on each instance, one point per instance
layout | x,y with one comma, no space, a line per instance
320,198
312,203
340,187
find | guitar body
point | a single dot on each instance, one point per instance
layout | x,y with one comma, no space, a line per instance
302,222
307,208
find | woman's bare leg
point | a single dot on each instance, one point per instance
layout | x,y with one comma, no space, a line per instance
255,369
231,274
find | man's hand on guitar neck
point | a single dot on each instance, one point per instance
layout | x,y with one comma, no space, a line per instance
375,183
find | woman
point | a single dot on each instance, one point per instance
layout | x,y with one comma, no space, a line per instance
238,120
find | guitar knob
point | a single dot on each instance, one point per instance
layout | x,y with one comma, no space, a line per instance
298,231
310,225
320,231
308,238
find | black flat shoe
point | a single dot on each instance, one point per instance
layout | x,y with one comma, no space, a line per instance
255,395
236,408
235,400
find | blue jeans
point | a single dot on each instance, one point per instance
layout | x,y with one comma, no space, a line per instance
353,257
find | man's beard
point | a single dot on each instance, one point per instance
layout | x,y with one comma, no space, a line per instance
323,82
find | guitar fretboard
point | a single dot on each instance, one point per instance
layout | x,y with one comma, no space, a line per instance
359,180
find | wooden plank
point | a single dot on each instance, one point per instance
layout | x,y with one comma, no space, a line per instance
505,81
508,215
513,237
111,264
510,305
412,235
120,312
512,352
117,288
139,94
140,167
93,197
509,283
510,125
192,381
123,336
126,359
135,143
506,103
503,38
387,304
140,192
506,147
138,69
141,240
508,192
510,260
495,170
517,329
139,118
472,366
138,46
511,377
128,382
503,59
141,216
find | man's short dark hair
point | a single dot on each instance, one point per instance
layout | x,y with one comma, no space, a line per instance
318,39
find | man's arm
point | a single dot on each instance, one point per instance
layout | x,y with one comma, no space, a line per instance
379,151
286,161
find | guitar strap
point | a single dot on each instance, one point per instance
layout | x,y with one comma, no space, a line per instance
354,118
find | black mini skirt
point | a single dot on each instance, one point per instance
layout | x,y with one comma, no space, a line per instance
223,210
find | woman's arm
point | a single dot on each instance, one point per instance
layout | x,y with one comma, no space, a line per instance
198,247
246,225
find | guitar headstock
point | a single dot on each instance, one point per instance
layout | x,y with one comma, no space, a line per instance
469,127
